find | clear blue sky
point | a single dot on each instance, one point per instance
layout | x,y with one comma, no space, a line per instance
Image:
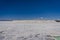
29,9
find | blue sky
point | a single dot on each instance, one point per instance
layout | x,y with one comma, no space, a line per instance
29,9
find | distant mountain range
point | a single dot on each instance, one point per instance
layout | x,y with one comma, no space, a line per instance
6,20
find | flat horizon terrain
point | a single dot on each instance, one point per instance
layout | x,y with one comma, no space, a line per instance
18,28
